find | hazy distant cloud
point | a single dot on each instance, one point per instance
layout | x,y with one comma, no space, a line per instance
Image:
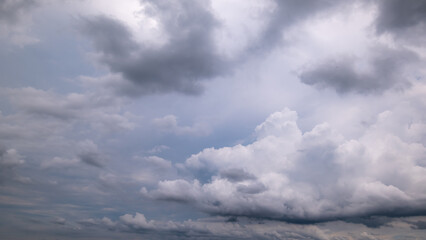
169,124
98,110
188,56
382,71
14,20
155,162
209,228
9,160
85,152
158,149
150,169
246,228
58,162
90,155
313,176
12,10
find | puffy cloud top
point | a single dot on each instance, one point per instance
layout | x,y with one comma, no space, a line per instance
313,176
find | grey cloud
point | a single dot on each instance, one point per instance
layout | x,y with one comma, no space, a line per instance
95,109
286,14
178,191
158,149
236,175
188,57
9,160
251,188
169,124
419,224
91,158
59,221
396,16
246,228
190,54
90,155
211,228
111,37
382,71
149,170
371,221
157,162
405,21
58,162
15,21
12,10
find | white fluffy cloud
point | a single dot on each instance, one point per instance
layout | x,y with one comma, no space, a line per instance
315,175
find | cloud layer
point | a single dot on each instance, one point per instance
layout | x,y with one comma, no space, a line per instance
119,108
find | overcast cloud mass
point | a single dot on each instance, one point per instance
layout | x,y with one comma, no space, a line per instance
213,119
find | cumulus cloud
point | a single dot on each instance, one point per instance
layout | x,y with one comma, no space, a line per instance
318,175
100,111
384,69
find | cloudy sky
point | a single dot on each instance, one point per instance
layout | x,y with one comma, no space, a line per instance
221,119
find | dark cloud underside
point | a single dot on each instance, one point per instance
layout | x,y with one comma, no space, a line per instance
395,16
383,71
188,57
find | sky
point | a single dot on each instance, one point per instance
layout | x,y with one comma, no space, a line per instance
198,119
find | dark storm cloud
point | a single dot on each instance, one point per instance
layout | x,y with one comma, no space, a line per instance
404,20
384,70
396,16
188,57
12,10
110,37
419,224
